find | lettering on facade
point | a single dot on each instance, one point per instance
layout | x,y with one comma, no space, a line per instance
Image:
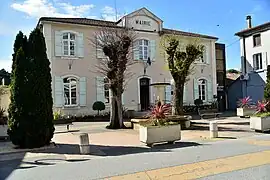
141,22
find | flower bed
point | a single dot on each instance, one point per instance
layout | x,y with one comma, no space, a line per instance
260,121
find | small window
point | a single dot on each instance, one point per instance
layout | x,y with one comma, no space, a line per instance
257,61
106,90
70,91
256,40
69,44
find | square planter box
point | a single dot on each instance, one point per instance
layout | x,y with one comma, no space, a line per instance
3,130
260,123
156,134
245,111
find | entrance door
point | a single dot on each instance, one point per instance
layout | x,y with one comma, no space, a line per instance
144,93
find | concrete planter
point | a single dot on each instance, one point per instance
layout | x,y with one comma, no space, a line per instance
245,111
3,130
260,123
157,134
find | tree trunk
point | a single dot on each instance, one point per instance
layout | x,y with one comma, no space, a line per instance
116,117
178,98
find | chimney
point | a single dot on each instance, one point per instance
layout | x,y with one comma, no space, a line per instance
249,25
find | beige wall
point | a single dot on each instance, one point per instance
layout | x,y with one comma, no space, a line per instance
85,67
5,99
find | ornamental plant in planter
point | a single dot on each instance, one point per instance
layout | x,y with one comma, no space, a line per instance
159,128
260,121
3,124
244,107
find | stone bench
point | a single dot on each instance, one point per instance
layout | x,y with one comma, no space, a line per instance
215,114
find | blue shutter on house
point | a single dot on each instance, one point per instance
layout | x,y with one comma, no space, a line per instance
168,94
136,52
195,89
209,91
152,50
80,45
100,89
83,91
58,91
58,43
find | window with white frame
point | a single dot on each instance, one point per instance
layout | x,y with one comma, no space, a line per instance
202,89
70,91
69,44
143,49
106,90
257,61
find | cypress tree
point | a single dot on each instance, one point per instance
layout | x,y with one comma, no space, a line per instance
267,85
41,93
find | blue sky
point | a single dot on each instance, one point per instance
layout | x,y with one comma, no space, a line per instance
213,17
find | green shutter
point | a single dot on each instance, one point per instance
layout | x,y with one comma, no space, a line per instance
58,43
58,91
209,91
195,89
152,50
83,91
80,45
136,53
100,89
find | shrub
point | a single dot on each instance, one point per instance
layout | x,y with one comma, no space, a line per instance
198,102
98,106
245,102
3,119
57,115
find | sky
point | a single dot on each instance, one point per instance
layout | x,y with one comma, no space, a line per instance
211,17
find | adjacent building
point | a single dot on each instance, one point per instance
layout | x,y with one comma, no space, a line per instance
73,59
255,56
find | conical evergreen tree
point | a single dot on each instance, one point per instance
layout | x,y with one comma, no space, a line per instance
41,93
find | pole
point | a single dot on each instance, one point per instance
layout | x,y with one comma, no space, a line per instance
115,6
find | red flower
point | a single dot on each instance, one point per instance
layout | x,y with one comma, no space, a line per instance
160,111
261,107
244,102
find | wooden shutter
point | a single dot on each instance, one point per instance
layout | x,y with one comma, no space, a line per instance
100,89
209,91
83,91
80,45
152,50
58,43
168,94
58,92
195,90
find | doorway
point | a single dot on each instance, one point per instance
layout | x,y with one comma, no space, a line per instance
145,94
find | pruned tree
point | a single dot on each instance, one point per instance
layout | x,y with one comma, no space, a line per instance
180,60
116,44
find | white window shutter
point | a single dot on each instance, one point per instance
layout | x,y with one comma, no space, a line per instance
83,91
58,92
123,102
99,51
100,89
265,61
209,91
195,89
185,94
168,94
58,43
205,55
152,50
136,53
80,45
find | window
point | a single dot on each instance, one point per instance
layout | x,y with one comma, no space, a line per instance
257,61
69,44
256,40
143,49
202,89
70,91
106,90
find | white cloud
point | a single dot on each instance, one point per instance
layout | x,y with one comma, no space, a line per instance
56,8
6,64
109,14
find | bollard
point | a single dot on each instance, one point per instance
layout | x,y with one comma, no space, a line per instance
213,126
84,143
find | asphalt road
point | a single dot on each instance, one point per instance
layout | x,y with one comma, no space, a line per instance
126,160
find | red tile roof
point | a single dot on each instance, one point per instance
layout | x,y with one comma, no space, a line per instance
254,29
